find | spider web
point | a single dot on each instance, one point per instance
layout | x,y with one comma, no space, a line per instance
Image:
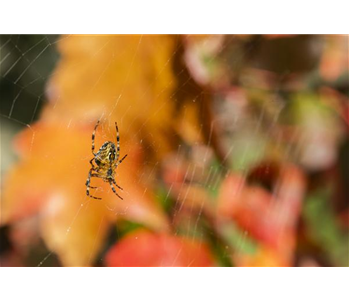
27,63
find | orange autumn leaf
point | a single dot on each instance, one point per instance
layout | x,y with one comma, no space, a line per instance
50,181
146,249
124,78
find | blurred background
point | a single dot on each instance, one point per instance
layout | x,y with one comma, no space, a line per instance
238,150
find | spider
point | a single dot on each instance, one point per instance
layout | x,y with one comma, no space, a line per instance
107,160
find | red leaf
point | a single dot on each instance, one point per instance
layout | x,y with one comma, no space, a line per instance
146,249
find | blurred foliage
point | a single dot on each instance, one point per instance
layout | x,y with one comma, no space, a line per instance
237,151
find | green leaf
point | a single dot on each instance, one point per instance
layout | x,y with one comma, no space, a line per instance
322,227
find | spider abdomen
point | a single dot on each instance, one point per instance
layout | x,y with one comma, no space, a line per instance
107,153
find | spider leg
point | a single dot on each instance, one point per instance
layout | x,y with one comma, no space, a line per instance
117,141
93,166
110,182
88,184
117,185
120,161
93,138
118,145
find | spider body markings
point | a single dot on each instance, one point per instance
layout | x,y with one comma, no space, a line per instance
106,160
